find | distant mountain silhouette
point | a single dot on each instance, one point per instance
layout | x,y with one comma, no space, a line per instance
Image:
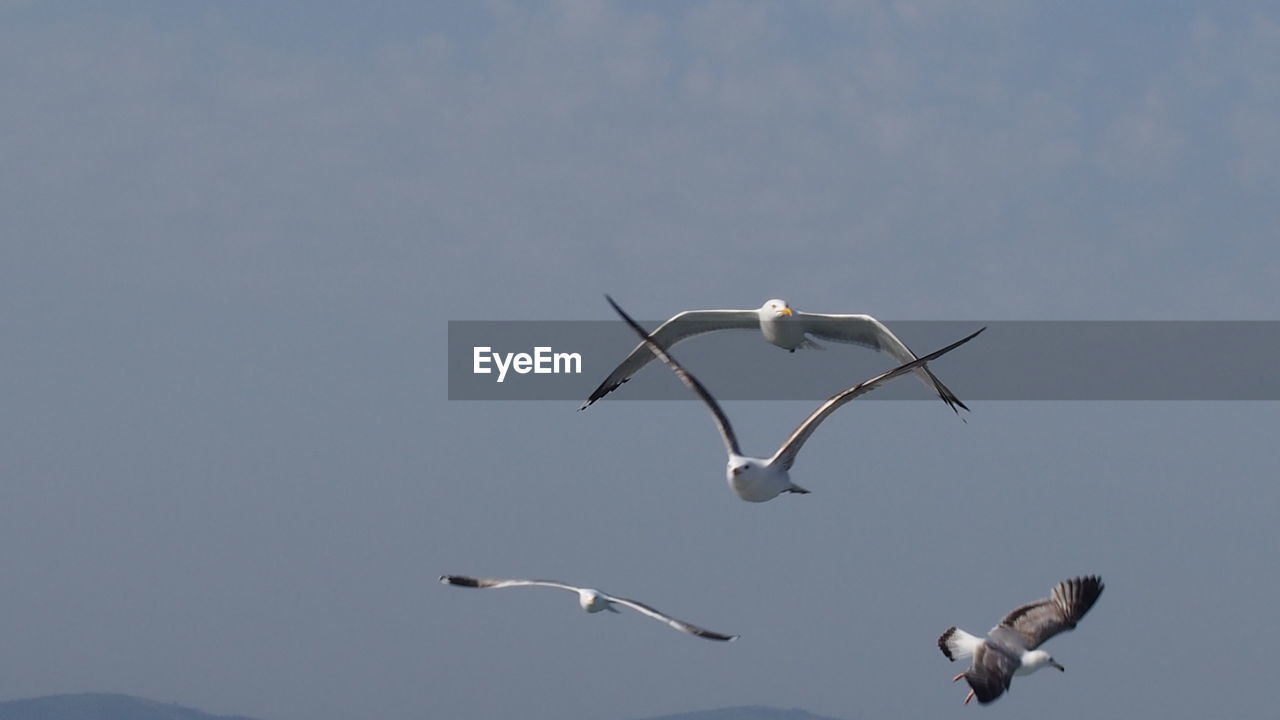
101,706
746,712
111,706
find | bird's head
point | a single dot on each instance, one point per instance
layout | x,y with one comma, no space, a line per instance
591,600
775,308
1036,659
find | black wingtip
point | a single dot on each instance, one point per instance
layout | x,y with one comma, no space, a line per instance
604,389
459,580
600,393
939,353
1084,591
618,309
956,403
945,394
644,334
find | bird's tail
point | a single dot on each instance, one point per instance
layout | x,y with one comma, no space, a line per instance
957,644
796,489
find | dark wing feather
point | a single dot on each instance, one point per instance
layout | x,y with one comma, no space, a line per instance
691,382
991,672
785,457
680,625
870,333
1066,605
475,582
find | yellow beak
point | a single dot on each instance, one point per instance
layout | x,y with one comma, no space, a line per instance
785,311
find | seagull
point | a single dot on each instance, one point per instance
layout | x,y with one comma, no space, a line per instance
762,479
1010,648
787,328
593,601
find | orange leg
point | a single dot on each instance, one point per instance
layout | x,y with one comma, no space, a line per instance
968,697
957,678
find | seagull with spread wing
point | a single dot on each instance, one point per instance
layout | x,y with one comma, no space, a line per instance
1010,648
593,601
782,326
762,479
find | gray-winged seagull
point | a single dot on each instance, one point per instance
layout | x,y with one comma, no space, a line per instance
1010,648
593,601
788,329
760,479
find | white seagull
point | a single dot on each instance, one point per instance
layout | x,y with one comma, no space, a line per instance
761,479
788,329
593,601
1010,648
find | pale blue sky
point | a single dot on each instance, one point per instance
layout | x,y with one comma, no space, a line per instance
232,236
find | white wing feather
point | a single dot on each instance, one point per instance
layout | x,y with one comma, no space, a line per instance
680,327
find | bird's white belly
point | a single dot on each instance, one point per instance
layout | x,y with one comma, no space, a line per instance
758,484
783,332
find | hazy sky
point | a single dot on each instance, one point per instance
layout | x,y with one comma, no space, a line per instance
232,234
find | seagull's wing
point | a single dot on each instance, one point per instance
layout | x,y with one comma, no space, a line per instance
465,581
1038,621
991,672
870,333
722,422
680,625
786,454
681,326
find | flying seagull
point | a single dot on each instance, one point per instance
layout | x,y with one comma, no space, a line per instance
593,601
1010,648
788,329
760,479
